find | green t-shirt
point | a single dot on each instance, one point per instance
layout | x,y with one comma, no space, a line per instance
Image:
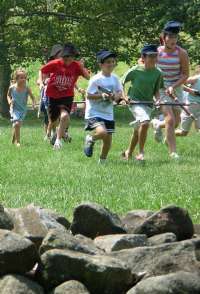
144,82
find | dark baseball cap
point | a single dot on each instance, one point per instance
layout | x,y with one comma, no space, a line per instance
57,48
149,49
104,54
69,50
172,27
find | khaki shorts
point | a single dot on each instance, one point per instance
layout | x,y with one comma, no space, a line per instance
141,112
164,98
186,121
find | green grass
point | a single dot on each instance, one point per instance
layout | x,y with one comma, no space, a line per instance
61,180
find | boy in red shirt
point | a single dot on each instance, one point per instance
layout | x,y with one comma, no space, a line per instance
64,73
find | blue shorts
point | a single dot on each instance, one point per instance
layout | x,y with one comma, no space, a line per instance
94,122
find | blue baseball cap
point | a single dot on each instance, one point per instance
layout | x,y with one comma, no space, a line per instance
103,54
172,27
149,49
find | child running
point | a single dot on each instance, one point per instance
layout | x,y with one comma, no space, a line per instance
146,81
99,105
193,98
54,54
174,63
64,72
17,99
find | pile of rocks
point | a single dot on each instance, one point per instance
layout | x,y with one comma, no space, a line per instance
99,252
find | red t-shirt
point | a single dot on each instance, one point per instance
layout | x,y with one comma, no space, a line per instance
62,77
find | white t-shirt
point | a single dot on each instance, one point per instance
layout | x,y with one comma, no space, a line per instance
100,108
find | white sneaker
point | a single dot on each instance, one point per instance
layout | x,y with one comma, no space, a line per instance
57,145
158,135
174,155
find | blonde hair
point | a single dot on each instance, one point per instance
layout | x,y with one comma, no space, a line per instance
197,70
17,74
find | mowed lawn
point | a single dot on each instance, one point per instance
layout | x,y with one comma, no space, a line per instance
62,179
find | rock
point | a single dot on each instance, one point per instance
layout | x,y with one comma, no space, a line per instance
6,222
162,238
99,273
33,222
118,242
162,259
28,224
175,283
70,287
57,239
134,218
17,254
16,284
197,229
92,220
169,219
52,219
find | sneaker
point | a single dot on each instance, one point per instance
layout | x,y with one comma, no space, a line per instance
18,145
67,138
135,124
89,144
102,161
57,145
53,138
125,156
174,156
158,135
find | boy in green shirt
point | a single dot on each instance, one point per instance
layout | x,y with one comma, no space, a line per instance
146,80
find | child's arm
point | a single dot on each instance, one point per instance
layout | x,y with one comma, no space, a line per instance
32,97
191,90
84,72
192,80
39,80
9,97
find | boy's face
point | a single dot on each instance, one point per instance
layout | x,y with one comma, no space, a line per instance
150,59
108,65
68,59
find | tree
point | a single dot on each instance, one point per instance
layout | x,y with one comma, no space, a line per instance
28,27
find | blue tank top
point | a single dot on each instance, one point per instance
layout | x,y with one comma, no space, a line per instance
19,98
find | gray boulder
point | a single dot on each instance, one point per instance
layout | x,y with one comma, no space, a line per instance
70,287
162,259
16,284
169,219
57,239
162,238
99,273
6,221
17,254
175,283
118,242
135,218
92,220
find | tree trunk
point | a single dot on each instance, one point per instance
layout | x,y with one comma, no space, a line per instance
4,84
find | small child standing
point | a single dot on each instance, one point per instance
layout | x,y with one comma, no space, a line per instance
17,99
99,105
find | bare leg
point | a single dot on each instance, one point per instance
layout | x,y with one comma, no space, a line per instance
142,136
64,123
134,140
107,141
17,132
170,128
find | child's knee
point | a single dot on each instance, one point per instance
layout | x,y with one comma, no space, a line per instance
16,124
169,119
64,115
145,124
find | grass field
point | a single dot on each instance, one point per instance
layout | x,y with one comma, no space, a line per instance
61,180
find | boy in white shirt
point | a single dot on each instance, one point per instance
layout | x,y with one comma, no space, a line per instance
99,104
